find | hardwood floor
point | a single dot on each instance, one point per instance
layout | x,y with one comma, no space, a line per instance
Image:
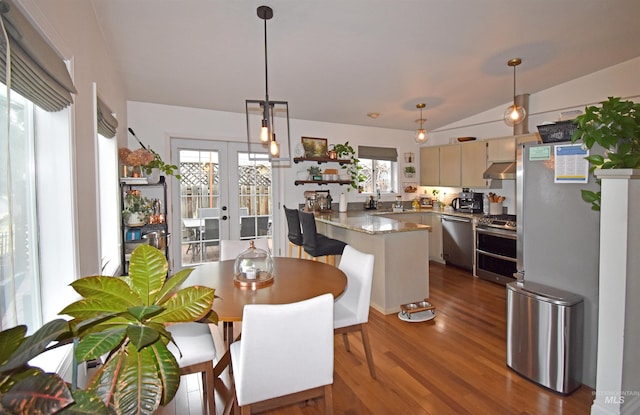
454,364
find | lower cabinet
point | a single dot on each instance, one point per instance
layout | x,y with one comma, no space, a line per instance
435,237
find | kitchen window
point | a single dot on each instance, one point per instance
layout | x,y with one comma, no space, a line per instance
379,167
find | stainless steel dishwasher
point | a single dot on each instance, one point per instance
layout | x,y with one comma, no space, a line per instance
457,241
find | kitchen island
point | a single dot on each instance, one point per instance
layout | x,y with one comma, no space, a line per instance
401,250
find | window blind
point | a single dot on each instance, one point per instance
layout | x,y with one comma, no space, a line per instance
37,72
107,123
378,153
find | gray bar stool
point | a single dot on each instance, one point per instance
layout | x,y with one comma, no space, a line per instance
316,244
295,233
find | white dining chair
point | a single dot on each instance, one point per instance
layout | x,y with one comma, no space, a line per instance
285,355
231,248
352,307
196,353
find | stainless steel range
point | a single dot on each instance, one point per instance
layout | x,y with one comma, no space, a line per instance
496,242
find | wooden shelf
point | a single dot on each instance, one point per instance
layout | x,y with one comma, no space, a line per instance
340,182
320,160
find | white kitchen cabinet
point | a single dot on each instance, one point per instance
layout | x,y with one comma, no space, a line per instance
429,166
501,150
450,165
473,157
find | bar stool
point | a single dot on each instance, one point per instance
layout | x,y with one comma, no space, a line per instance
316,244
295,234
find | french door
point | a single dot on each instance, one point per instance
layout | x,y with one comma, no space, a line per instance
224,194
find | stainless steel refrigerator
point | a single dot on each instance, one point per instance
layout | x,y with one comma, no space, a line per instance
558,234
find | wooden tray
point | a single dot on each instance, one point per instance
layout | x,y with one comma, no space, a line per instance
262,280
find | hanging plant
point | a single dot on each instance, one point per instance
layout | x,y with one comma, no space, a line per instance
347,152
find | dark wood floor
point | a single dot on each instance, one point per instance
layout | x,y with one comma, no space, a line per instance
454,364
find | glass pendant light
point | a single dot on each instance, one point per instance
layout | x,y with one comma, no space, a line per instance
514,114
421,133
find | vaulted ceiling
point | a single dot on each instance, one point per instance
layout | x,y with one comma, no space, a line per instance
338,60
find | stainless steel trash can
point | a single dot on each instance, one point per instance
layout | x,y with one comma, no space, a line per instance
544,335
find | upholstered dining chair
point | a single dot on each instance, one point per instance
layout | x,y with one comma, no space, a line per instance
196,353
351,312
295,232
231,248
316,244
285,355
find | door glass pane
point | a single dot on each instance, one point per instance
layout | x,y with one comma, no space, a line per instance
254,202
200,205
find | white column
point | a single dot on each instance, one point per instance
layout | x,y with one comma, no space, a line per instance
618,367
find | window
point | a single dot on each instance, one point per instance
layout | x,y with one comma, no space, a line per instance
109,205
379,168
37,224
380,175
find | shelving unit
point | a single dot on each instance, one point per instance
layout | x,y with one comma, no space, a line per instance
152,191
321,160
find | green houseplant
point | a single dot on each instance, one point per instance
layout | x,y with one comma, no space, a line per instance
137,208
123,318
347,152
615,126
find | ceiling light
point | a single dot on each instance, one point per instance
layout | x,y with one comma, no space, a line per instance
515,114
421,133
373,115
268,109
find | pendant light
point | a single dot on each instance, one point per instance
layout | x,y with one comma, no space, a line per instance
421,133
267,108
515,114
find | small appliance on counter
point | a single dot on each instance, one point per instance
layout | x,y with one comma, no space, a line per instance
467,201
426,201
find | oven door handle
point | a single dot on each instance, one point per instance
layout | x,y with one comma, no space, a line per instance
505,258
498,233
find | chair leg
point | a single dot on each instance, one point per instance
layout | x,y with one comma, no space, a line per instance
299,251
345,338
328,400
367,350
208,380
290,249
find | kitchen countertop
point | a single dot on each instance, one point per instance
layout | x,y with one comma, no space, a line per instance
370,222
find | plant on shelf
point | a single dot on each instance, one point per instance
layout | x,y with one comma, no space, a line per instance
122,318
147,160
314,172
137,208
615,126
354,169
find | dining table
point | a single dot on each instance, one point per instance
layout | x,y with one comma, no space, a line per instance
294,279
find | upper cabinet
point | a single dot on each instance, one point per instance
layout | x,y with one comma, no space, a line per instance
501,149
473,157
450,165
429,166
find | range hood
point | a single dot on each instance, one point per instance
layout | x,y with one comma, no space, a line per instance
501,171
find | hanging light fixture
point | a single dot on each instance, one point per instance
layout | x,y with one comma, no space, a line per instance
421,133
267,108
515,114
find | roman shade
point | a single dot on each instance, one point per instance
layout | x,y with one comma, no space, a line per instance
107,123
378,153
37,71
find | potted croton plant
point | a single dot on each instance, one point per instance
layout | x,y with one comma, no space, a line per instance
122,318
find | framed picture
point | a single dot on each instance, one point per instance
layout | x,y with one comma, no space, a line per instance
314,147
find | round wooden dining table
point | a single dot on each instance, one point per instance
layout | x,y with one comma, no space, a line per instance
294,280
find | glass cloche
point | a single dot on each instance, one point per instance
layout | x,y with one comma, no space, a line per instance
253,267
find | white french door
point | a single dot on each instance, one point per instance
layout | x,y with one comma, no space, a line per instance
223,194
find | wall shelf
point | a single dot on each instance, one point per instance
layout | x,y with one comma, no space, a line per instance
321,182
320,160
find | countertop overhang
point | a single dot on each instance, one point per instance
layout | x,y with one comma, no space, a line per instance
371,222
